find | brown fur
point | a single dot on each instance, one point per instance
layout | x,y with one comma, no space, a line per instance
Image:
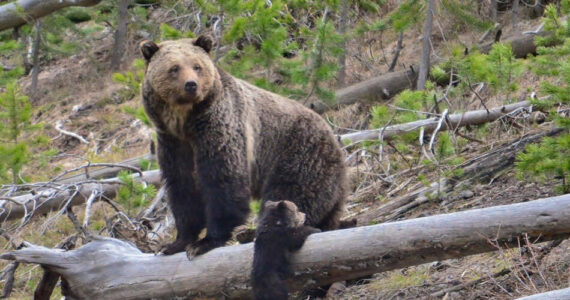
228,141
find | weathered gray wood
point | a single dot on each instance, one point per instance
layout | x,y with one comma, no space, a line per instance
426,46
563,294
460,119
107,171
54,199
375,89
20,12
112,269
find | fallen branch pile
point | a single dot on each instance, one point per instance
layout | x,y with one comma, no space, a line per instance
55,196
113,269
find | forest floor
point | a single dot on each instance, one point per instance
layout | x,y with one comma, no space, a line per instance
81,95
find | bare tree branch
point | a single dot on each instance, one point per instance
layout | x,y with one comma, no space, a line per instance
20,12
461,119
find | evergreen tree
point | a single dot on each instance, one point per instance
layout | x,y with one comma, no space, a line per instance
550,160
15,111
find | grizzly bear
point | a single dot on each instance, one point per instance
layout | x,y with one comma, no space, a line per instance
279,232
222,141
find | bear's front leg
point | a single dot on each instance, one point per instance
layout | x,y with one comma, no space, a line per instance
224,185
176,161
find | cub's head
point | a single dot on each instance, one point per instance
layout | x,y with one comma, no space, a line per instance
180,72
281,214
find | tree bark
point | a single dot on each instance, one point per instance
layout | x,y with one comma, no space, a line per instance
106,171
23,11
426,47
552,295
382,87
341,74
461,119
515,16
120,35
113,269
493,11
36,62
49,199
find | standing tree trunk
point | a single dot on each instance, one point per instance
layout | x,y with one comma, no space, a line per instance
493,11
424,63
341,76
120,35
36,62
515,12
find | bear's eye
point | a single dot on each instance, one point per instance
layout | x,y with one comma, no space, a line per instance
197,68
174,70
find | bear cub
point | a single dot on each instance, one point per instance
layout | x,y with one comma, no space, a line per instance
279,232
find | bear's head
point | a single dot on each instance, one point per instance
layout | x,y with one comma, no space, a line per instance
180,72
281,214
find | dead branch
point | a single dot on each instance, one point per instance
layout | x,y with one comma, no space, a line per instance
8,274
468,284
117,270
102,170
20,12
58,126
58,197
475,117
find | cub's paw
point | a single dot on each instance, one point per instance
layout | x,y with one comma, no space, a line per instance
244,234
174,247
202,246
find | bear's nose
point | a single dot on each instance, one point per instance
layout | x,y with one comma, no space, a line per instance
190,86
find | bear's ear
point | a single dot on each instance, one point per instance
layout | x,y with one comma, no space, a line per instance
148,49
205,42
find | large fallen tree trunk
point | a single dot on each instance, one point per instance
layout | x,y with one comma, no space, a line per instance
112,269
386,86
21,12
563,294
475,117
378,88
59,196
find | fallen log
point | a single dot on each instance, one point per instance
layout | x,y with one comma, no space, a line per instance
113,269
563,294
105,171
475,117
59,196
20,12
375,89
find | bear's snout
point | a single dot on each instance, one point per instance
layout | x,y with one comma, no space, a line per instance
190,86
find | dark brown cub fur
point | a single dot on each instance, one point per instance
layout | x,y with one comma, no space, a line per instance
222,141
279,232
